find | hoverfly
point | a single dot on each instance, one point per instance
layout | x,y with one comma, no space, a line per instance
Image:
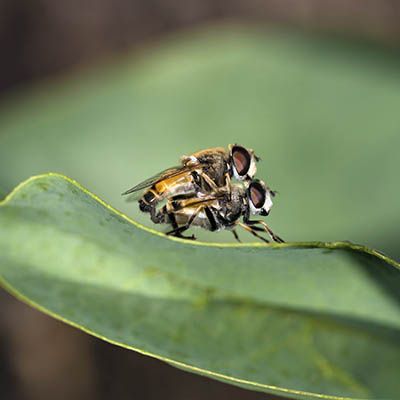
201,172
222,209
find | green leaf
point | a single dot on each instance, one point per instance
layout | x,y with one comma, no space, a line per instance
322,114
299,319
2,192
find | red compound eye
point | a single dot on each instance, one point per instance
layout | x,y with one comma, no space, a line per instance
257,194
241,160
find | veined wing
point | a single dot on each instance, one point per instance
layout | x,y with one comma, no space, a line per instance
168,173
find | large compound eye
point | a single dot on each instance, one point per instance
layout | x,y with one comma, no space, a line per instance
241,160
257,194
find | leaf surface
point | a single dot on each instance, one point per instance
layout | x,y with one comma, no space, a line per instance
296,319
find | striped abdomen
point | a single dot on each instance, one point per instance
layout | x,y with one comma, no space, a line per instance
176,185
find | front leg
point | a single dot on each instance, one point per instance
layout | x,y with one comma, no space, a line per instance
228,185
227,181
266,228
253,231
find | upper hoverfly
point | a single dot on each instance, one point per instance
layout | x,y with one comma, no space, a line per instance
199,173
222,209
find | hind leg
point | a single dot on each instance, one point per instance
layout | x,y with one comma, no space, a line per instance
177,231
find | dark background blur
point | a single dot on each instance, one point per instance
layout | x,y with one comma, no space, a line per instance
41,358
42,37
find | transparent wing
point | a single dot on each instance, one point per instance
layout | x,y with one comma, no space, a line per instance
168,173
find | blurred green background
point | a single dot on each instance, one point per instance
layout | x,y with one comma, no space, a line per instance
129,88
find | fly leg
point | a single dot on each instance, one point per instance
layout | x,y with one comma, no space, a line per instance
252,230
236,235
264,228
226,188
177,230
227,183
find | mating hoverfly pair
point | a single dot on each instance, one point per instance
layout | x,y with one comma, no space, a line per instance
200,192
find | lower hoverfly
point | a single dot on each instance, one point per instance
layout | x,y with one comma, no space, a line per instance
201,172
222,209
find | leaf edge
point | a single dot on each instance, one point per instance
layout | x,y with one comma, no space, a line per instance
225,378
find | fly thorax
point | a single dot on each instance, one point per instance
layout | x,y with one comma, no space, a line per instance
214,166
235,204
189,160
